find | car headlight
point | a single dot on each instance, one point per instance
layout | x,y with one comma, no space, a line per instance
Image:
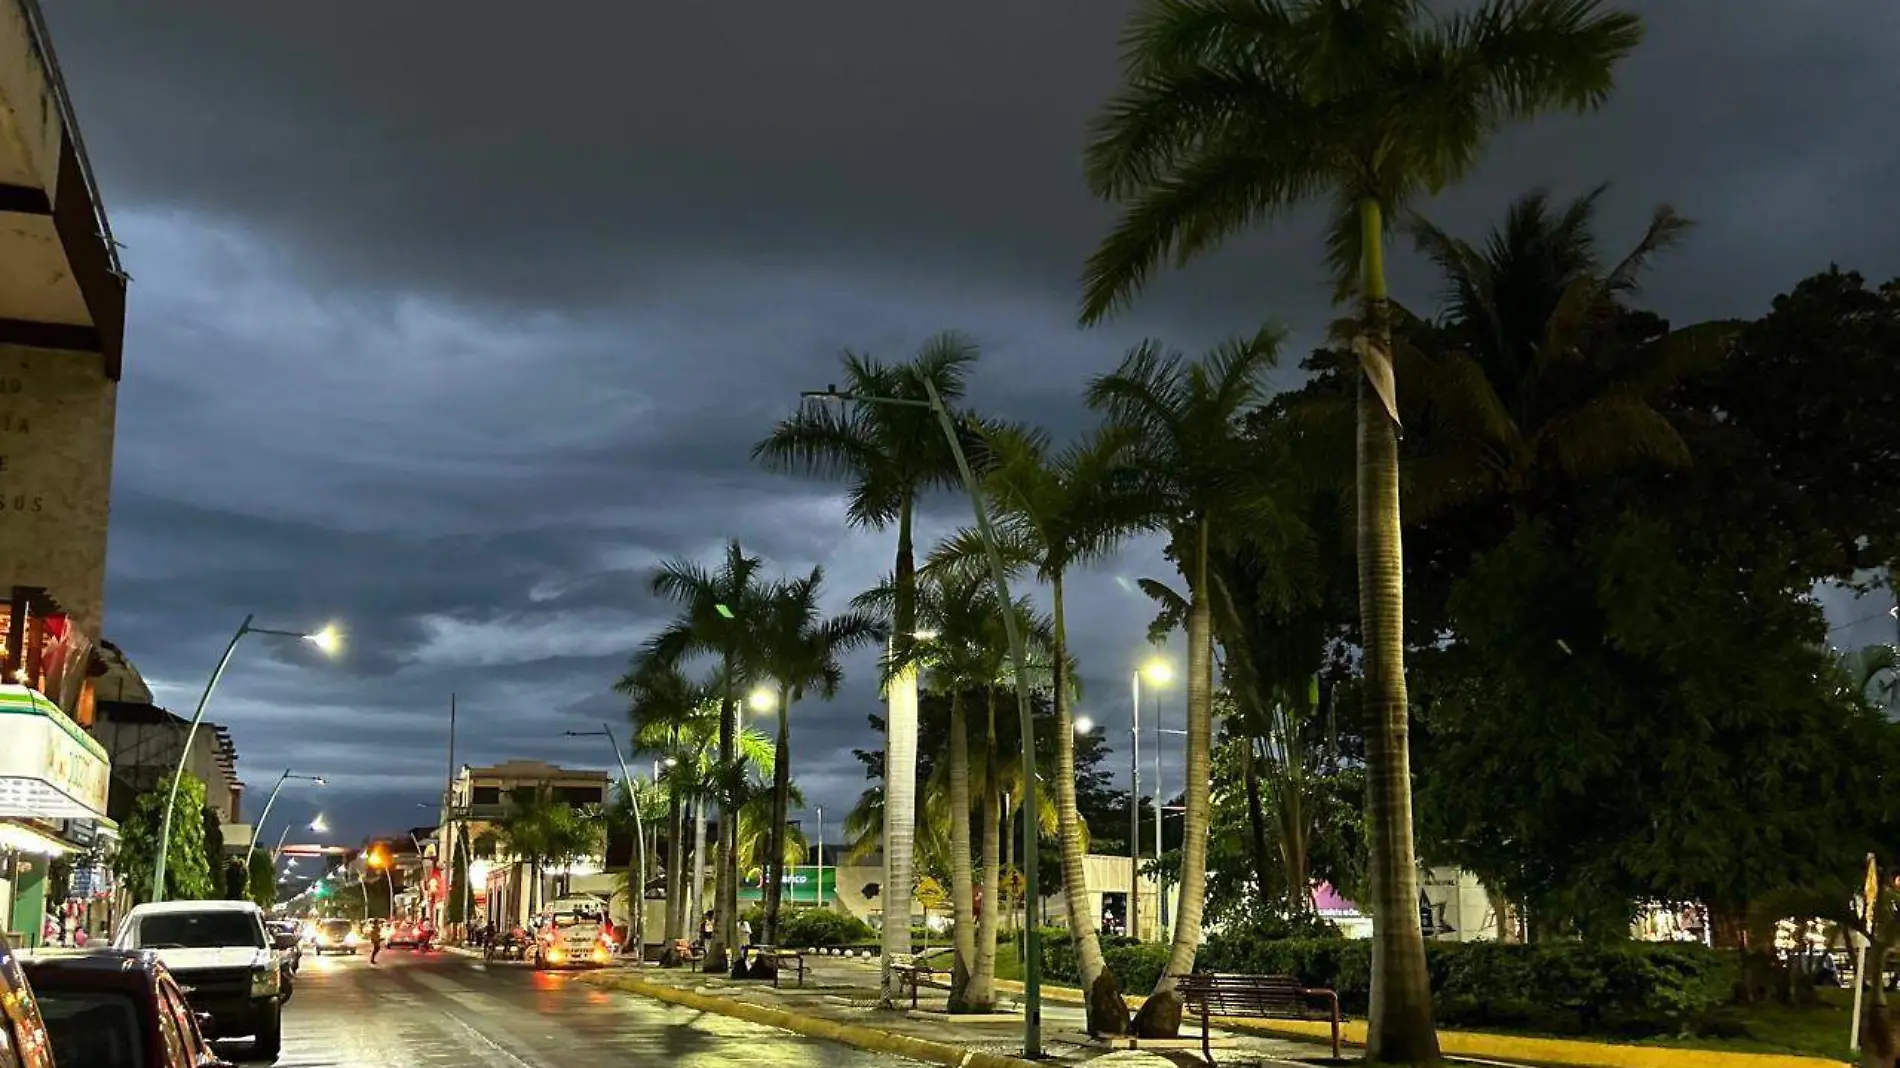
263,981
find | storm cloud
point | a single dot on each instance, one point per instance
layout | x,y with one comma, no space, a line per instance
449,321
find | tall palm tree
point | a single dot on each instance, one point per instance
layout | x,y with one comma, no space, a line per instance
890,454
662,702
1056,509
1181,420
1237,110
719,610
964,651
799,647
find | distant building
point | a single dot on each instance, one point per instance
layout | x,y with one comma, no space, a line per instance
478,803
143,741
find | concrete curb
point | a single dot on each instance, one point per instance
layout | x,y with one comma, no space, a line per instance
1524,1050
927,1050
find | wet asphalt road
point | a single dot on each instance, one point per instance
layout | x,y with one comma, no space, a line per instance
440,1010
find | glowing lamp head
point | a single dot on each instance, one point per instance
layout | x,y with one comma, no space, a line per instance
329,640
1158,671
1084,724
761,699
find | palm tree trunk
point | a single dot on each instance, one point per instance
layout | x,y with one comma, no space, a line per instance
962,903
982,991
900,767
1399,1027
1294,844
725,889
1502,912
1256,818
675,871
781,790
1075,887
1200,741
696,889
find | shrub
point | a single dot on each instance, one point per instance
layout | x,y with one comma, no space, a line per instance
822,927
1628,988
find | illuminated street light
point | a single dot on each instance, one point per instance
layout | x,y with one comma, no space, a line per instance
329,640
1159,671
761,699
1084,724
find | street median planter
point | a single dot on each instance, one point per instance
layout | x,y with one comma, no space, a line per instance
851,1034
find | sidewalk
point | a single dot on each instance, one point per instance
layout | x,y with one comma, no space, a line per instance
839,1002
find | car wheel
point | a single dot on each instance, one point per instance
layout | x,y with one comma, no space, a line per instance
270,1038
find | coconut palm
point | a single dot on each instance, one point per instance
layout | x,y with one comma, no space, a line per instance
1055,509
1540,372
1181,420
798,650
718,613
891,454
1234,111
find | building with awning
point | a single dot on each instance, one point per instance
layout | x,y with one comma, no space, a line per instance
53,785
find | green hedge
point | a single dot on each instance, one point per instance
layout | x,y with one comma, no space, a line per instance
1629,989
822,927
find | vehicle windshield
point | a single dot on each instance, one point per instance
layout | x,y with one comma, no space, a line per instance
336,928
92,1027
197,930
574,919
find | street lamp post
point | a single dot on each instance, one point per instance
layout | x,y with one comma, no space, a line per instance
265,815
999,577
315,825
637,893
327,639
818,892
1159,673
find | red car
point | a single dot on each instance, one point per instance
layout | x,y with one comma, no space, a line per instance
118,1007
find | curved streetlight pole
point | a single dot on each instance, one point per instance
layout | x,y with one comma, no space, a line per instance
637,893
265,815
999,577
326,639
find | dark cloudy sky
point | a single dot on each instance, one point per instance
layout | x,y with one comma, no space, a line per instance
449,320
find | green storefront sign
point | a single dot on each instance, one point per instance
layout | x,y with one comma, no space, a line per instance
802,886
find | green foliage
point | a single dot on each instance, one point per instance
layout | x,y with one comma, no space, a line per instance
460,892
823,927
1628,990
187,869
214,848
263,879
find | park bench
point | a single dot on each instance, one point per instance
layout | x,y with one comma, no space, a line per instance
687,950
912,972
1260,997
780,956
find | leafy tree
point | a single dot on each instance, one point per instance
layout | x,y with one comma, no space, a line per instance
187,870
891,454
263,879
235,879
1236,110
460,904
214,847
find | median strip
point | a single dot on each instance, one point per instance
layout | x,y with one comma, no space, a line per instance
851,1034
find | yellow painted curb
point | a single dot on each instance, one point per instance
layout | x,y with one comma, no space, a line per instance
1550,1051
918,1049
